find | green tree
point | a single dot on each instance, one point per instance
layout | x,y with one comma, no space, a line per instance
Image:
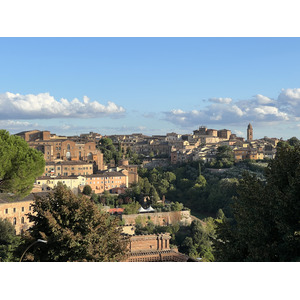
176,206
109,151
201,181
87,190
266,223
170,176
131,208
75,229
293,141
9,241
20,165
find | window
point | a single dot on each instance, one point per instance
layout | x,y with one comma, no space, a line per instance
22,220
14,209
29,207
58,168
15,221
6,211
23,208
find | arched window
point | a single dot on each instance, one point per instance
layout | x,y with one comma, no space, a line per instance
68,147
15,221
68,155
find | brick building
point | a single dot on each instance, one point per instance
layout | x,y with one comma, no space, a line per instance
63,149
153,248
34,135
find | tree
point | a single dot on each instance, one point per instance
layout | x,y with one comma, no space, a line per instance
170,176
74,228
87,190
177,206
9,241
109,151
293,141
266,223
20,165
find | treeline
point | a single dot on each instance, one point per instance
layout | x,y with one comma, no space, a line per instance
265,222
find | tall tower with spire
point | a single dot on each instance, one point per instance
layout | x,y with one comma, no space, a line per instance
249,133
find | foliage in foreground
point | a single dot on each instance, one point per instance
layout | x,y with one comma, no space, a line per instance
75,230
9,241
20,165
266,223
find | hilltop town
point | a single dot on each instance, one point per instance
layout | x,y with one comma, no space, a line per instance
77,160
108,170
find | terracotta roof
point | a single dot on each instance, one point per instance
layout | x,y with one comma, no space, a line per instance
6,198
116,210
69,162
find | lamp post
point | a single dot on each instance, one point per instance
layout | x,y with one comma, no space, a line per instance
37,241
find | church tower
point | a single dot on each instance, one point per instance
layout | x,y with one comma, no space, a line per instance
249,133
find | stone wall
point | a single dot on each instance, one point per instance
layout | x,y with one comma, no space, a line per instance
159,218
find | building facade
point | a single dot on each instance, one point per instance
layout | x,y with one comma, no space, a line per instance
68,168
153,248
106,181
14,210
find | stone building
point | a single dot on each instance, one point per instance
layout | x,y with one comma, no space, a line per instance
68,168
15,209
106,181
224,134
74,183
132,171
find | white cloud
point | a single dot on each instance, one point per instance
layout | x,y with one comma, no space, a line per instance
263,99
259,109
44,106
290,96
270,110
16,126
220,100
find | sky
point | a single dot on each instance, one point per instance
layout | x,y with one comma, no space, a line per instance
150,85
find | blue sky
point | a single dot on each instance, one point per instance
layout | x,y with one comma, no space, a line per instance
150,85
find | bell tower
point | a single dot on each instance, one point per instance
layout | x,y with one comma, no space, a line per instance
249,133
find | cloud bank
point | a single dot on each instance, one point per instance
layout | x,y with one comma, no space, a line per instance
45,106
225,111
